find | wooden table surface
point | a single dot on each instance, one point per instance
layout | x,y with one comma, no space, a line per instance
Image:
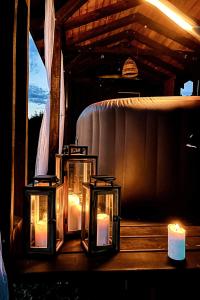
143,251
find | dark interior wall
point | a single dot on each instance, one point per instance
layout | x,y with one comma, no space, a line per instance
85,91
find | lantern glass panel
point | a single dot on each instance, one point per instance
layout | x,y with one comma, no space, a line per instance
104,219
86,214
78,171
59,217
58,167
39,222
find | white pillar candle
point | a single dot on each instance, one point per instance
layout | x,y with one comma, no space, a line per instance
176,242
103,222
41,234
74,213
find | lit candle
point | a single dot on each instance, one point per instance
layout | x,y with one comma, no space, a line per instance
41,234
176,242
74,213
103,222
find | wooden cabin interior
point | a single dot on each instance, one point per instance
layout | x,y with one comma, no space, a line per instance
96,38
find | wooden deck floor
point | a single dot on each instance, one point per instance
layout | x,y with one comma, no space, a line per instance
143,250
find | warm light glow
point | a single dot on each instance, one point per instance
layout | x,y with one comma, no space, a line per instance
174,16
74,212
73,198
177,16
103,223
176,228
102,217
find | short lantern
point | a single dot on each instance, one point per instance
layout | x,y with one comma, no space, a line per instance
100,215
44,215
74,167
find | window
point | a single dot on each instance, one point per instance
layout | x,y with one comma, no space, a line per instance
38,85
188,89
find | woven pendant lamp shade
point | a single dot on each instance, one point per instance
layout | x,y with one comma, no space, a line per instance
129,69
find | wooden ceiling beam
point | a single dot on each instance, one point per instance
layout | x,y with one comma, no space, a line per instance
68,9
161,29
149,68
122,50
101,13
92,33
163,49
160,63
127,35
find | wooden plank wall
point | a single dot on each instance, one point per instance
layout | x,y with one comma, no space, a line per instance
8,19
21,130
13,115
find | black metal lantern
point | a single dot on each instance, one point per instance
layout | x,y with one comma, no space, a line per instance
100,215
74,167
44,215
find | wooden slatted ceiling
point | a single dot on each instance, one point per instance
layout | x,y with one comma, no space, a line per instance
151,14
155,35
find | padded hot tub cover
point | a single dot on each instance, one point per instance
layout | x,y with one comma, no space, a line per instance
142,142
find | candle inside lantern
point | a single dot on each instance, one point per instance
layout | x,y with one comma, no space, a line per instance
176,242
103,222
41,234
74,213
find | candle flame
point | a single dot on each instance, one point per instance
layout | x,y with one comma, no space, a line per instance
102,216
177,227
73,198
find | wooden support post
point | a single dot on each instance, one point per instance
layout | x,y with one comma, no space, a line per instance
8,24
169,86
55,101
21,127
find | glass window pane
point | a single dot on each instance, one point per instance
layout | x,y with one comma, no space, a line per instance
39,224
104,218
78,171
59,216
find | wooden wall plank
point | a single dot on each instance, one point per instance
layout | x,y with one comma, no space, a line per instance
55,101
21,135
8,22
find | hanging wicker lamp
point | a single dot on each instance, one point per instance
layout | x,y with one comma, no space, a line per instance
129,69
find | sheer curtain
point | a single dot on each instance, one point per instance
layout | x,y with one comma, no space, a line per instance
62,107
41,167
4,295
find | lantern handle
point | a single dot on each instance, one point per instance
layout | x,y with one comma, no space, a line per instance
45,179
105,178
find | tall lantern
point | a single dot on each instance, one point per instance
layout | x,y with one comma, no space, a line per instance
44,215
100,216
74,167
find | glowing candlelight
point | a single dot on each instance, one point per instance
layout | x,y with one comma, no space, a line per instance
41,234
176,242
74,213
103,222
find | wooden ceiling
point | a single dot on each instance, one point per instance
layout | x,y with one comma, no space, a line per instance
99,35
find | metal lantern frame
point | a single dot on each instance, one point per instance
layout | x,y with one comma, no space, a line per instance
50,187
73,154
89,236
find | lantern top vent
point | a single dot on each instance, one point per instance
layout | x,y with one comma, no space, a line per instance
75,149
102,180
47,179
